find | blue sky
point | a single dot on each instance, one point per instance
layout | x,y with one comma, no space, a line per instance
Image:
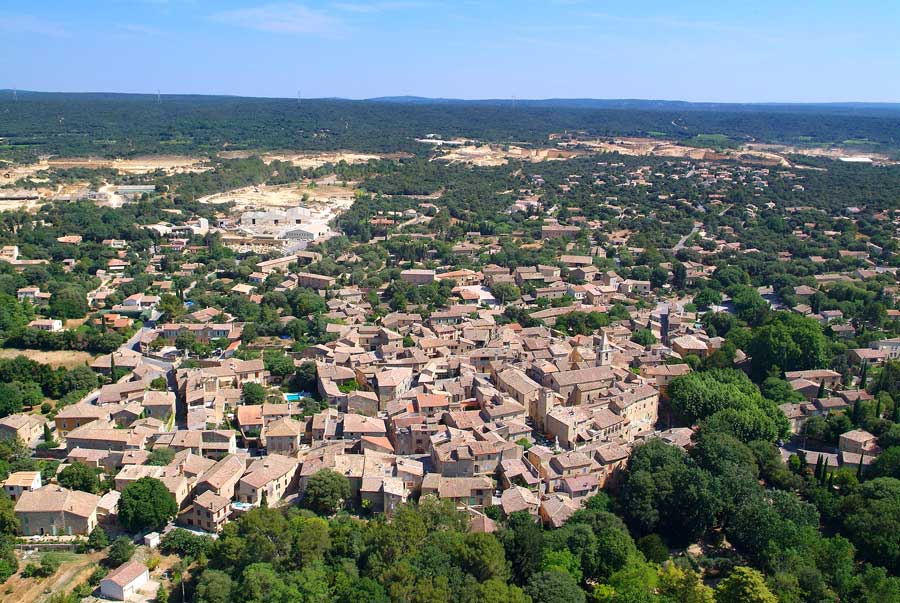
725,50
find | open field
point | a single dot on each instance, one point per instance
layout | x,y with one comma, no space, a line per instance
55,358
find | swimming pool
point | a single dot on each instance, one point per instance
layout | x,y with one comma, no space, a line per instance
293,397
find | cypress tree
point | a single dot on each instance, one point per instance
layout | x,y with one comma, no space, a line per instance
863,374
803,463
824,477
818,472
821,393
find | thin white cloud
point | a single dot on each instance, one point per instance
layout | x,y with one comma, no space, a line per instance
671,22
137,28
376,7
281,18
16,23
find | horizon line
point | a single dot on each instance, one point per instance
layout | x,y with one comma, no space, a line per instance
394,97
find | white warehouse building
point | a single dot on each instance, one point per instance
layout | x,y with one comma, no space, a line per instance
274,219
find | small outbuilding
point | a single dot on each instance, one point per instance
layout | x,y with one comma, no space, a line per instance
125,581
152,540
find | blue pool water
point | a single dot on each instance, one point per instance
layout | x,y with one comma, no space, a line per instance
296,396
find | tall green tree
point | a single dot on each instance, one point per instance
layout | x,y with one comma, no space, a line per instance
79,476
744,585
326,492
146,504
554,586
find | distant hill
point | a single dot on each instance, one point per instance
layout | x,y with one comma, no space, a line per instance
33,124
633,104
653,105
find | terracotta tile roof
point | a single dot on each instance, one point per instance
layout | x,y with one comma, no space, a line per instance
125,574
56,499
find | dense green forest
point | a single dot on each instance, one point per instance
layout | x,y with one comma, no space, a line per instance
124,125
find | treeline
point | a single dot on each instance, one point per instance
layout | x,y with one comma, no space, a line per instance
614,550
24,382
425,554
125,125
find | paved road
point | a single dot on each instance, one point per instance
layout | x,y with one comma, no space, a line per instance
132,343
680,244
416,220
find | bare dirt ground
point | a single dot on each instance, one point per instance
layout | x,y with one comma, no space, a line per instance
174,164
772,154
171,164
326,199
26,204
835,152
56,358
312,159
495,155
257,196
662,148
441,142
285,195
33,590
9,173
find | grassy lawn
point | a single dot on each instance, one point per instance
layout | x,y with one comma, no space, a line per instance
55,358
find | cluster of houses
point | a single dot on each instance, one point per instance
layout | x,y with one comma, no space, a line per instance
476,411
459,403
